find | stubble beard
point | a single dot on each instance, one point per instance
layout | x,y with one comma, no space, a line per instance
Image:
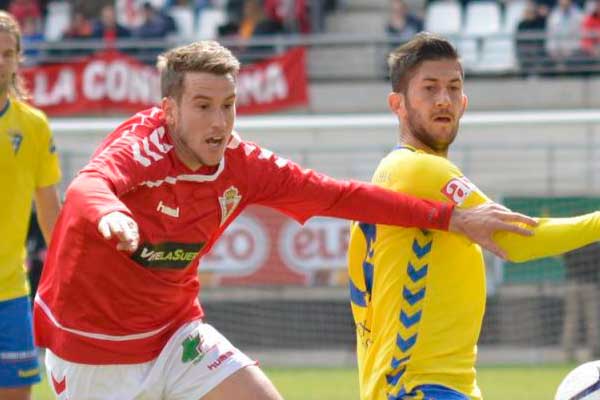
416,127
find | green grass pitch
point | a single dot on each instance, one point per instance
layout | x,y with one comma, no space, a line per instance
497,383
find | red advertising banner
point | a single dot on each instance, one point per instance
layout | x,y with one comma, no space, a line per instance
264,247
114,82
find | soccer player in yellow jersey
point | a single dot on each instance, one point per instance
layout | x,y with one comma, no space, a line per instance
418,297
28,169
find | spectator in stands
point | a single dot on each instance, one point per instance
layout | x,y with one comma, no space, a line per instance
530,38
154,24
563,32
32,37
107,28
80,27
582,299
291,14
254,23
23,9
590,31
403,24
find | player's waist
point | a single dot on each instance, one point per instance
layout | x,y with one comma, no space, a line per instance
99,347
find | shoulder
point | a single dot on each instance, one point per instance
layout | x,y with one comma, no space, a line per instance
415,173
143,136
30,113
409,164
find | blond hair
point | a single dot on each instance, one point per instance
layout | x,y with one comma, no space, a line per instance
203,56
9,25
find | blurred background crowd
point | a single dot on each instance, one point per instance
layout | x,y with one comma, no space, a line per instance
494,36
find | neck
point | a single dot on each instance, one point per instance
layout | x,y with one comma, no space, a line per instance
3,100
408,138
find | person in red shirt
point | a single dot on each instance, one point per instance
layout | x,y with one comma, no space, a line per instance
23,9
590,32
117,304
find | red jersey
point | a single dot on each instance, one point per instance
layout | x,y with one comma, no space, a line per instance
97,305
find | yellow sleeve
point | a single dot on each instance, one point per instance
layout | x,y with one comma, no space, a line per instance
48,172
551,237
427,176
436,178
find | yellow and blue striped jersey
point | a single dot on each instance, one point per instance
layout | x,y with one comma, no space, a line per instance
418,297
28,160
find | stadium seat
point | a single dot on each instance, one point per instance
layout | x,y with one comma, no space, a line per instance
209,21
184,19
444,17
513,15
497,55
469,53
58,19
482,18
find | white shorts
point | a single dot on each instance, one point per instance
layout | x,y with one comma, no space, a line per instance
195,360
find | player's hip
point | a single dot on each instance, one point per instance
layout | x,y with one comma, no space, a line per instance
430,392
195,360
18,356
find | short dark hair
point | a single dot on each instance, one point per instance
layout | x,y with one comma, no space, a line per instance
424,46
202,56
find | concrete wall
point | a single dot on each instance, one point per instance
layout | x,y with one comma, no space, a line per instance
484,94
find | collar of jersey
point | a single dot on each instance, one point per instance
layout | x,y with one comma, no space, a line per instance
5,109
405,147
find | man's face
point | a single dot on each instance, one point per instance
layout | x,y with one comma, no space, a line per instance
8,60
202,121
433,104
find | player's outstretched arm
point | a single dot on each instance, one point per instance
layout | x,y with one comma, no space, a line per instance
552,236
481,222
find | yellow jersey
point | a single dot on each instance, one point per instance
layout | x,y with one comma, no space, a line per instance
28,161
418,297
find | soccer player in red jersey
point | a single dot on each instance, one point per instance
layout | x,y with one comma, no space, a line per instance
117,305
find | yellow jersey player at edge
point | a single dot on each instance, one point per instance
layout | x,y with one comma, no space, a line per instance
29,169
418,297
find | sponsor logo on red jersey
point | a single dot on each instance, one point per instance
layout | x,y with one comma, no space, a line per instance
457,190
167,254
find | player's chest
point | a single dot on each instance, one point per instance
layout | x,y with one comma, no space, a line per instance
190,211
17,152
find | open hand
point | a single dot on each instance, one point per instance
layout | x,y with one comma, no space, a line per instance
480,223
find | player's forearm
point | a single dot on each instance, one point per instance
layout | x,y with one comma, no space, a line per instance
47,204
551,237
93,197
373,204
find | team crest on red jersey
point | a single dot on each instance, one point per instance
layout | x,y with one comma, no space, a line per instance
457,190
229,201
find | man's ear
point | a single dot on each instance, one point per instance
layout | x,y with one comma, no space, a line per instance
465,104
396,103
170,109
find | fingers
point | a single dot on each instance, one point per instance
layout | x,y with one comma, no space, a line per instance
491,246
104,229
513,228
518,217
123,228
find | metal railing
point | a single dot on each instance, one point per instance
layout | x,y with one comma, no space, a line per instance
502,53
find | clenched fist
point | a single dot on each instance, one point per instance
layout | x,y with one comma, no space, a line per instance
123,227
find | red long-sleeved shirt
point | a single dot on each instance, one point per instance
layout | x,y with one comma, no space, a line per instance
97,305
